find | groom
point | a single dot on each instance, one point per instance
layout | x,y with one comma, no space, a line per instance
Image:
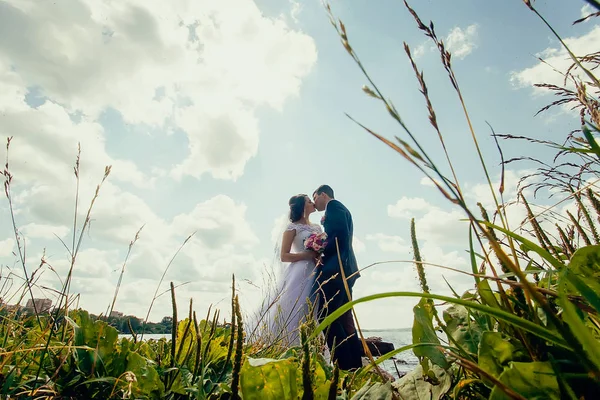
337,223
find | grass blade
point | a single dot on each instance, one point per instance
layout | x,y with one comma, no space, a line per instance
521,323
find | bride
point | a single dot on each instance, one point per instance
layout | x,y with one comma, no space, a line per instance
282,314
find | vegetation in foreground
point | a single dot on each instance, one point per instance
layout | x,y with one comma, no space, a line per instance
124,324
529,328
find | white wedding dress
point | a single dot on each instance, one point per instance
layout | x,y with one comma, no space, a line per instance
291,305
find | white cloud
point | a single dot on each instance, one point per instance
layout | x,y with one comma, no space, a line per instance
443,227
358,245
557,59
90,264
43,231
407,206
221,247
279,225
422,49
296,9
462,42
387,243
221,140
587,10
45,142
432,223
198,66
6,247
201,68
219,222
425,181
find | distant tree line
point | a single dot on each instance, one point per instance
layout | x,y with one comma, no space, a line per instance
126,323
120,323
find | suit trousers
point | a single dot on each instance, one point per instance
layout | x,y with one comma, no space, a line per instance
342,338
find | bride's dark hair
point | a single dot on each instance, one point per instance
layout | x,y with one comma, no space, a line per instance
297,207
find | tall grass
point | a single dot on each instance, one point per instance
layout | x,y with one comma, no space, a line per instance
550,322
529,327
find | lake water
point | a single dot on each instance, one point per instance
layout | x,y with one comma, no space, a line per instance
404,362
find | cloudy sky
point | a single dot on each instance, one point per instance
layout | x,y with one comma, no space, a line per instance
213,113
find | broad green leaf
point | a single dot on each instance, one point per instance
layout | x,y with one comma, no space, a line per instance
590,345
584,274
583,287
524,324
147,382
591,140
374,391
496,352
320,380
269,379
214,347
97,335
423,332
533,381
413,385
186,339
459,325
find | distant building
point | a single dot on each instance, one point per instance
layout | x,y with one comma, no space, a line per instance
41,305
116,314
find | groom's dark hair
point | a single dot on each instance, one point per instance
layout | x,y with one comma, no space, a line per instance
324,189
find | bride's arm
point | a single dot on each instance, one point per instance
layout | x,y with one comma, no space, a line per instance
286,246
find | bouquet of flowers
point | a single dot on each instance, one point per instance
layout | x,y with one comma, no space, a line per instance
316,242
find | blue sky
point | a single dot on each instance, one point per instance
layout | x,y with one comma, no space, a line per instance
213,115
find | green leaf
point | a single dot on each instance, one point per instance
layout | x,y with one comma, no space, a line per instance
590,345
500,314
423,332
186,339
374,391
414,386
591,140
496,352
320,378
98,335
459,325
533,381
269,379
148,383
584,274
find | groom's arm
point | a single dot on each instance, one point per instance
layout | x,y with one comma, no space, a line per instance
335,227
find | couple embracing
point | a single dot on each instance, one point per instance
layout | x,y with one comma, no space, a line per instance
312,284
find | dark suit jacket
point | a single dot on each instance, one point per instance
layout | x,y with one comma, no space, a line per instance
338,224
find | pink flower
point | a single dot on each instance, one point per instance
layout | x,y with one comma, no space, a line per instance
322,219
316,242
